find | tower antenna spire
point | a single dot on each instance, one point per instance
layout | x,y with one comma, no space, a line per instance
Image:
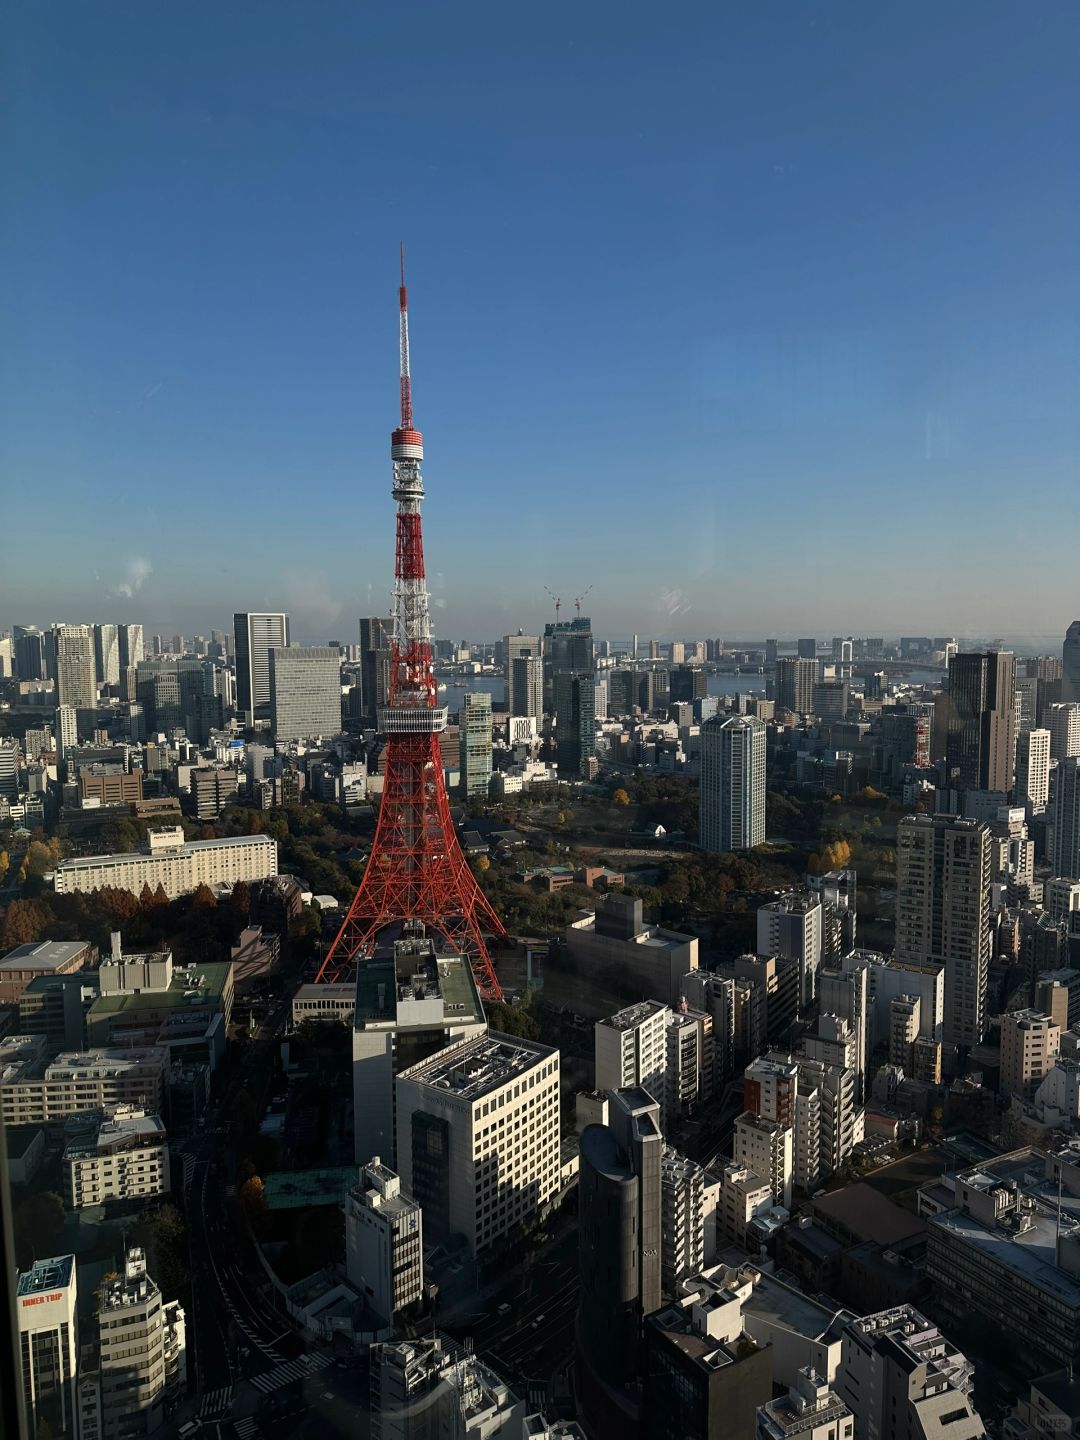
417,870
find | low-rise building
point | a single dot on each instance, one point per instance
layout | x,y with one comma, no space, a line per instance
809,1411
125,1158
177,865
41,957
614,944
36,1092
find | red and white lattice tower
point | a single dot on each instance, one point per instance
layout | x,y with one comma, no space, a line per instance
416,869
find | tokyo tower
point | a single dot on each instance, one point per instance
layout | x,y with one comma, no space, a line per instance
416,869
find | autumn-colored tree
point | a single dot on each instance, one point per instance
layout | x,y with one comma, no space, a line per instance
24,922
5,863
620,798
160,897
483,864
204,895
253,1196
146,898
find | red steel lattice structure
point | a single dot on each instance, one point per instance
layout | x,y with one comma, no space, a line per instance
416,870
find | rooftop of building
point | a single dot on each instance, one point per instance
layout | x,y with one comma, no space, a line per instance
298,1189
633,1015
44,955
416,969
478,1066
775,1300
707,1352
866,1214
1062,1389
118,1132
192,985
54,1274
105,1061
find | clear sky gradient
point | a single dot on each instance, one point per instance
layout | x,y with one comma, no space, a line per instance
758,318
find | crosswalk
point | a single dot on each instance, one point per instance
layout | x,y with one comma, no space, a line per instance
216,1402
249,1333
295,1370
247,1428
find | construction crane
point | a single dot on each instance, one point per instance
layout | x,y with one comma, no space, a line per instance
558,602
578,598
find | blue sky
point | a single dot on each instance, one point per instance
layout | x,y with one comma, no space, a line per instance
758,318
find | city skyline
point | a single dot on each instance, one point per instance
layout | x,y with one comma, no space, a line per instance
798,313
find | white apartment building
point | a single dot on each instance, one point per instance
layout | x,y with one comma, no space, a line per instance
384,1252
178,866
126,1158
809,1411
732,788
1030,1042
631,1049
141,1342
791,928
1064,722
767,1148
1033,770
46,1298
904,1381
32,1093
905,1024
743,1194
1061,896
478,1135
682,1218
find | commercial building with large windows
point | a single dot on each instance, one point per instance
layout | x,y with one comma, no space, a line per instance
476,746
46,1297
256,635
305,692
478,1136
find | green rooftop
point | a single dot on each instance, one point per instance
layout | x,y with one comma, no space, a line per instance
415,971
183,991
294,1189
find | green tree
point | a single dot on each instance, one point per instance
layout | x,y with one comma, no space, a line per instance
163,1235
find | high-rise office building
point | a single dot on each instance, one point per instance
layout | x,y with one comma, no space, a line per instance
9,769
46,1297
1033,770
796,678
76,672
731,814
478,1136
980,743
256,635
475,743
375,637
574,700
130,645
526,692
141,1342
687,682
107,654
305,692
806,649
1070,663
1063,721
524,683
943,913
29,652
1066,851
170,692
619,1234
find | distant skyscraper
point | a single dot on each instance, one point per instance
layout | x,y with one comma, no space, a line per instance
76,672
980,744
575,721
795,681
1063,720
375,637
943,913
130,642
1070,663
67,729
9,768
475,743
806,649
256,634
305,692
1033,770
1066,857
526,692
686,682
731,812
170,693
107,654
568,647
29,652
